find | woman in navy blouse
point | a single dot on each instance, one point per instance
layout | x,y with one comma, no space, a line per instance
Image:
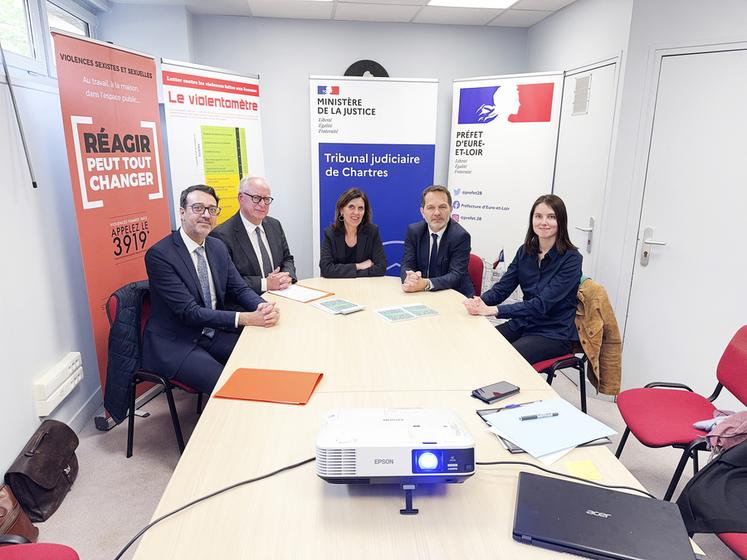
548,269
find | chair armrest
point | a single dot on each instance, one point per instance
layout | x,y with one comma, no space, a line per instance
668,385
13,539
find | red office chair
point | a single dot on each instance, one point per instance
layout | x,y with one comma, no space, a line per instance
475,269
659,416
14,547
737,542
142,375
551,366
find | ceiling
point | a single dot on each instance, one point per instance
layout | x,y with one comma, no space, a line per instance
524,13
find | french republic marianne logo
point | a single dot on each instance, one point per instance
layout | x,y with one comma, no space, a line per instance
508,103
328,90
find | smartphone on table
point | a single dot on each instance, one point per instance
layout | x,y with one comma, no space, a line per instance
495,392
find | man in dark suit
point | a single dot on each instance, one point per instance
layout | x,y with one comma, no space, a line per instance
436,250
190,334
256,241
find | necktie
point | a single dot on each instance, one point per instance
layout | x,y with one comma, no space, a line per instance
266,262
434,254
202,275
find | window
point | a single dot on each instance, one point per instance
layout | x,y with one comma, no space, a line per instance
15,28
69,18
61,19
25,27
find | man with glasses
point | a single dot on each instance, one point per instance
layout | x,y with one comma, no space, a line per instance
256,241
190,333
437,249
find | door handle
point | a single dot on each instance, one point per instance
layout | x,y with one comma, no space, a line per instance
589,231
646,242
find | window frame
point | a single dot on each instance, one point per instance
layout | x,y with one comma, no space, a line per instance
42,63
36,63
76,10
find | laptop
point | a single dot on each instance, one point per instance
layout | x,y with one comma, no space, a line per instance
597,523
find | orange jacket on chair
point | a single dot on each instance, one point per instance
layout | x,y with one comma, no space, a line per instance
599,336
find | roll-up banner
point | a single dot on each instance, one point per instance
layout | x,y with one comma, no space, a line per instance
110,114
213,130
379,135
504,132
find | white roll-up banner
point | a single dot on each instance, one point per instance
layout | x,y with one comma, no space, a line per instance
379,135
504,133
213,130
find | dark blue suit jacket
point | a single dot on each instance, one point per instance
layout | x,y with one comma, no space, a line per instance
178,313
453,257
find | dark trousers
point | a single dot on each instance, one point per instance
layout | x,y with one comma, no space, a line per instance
532,347
203,365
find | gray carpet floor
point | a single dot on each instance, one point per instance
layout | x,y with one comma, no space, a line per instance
114,497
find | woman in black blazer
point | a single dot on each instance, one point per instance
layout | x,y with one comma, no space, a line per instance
352,246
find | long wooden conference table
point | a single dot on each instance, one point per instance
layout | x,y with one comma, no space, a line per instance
367,362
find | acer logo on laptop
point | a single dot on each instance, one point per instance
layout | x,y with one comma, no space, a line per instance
598,513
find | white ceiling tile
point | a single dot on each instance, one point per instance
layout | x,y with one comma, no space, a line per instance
400,2
455,16
519,18
291,9
374,12
543,5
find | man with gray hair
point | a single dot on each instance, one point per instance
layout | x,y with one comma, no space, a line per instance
256,241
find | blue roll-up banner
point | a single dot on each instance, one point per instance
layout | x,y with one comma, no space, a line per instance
378,135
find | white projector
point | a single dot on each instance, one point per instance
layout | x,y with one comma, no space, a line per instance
394,446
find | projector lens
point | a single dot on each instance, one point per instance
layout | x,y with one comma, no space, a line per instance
427,461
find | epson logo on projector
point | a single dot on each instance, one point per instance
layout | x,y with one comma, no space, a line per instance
383,461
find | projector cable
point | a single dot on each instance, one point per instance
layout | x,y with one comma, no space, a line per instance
524,463
203,498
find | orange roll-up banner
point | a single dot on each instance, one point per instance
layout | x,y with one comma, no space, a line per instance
110,114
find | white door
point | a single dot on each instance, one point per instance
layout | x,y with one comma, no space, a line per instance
583,153
690,298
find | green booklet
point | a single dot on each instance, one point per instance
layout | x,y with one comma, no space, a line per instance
338,306
406,312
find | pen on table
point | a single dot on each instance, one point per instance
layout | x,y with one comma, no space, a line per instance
514,405
537,416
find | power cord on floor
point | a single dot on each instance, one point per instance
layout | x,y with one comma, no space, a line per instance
523,463
203,498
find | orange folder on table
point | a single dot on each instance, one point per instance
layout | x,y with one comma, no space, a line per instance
270,385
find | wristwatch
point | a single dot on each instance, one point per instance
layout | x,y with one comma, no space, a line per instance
428,285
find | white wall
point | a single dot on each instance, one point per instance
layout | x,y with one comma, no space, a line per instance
44,307
654,24
160,31
582,33
285,52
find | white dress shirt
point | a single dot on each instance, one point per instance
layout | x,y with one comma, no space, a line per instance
251,232
439,235
191,246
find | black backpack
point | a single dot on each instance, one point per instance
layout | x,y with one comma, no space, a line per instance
715,499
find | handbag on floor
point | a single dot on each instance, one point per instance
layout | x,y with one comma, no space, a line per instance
13,520
42,475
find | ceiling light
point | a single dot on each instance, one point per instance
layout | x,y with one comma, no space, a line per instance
488,4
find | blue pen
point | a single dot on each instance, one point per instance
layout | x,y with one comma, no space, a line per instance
513,405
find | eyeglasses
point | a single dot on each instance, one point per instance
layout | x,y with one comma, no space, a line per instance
256,199
199,209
